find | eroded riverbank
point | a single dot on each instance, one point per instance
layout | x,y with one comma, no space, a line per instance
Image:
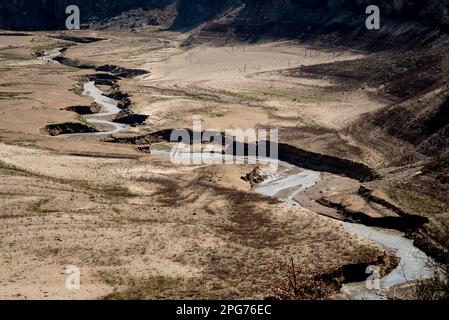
109,108
286,186
287,181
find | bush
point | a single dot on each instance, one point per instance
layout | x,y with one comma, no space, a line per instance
298,283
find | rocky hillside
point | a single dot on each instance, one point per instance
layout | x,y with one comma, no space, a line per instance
50,14
341,22
246,18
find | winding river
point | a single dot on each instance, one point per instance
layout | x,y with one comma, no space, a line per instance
50,56
414,264
285,184
109,107
288,181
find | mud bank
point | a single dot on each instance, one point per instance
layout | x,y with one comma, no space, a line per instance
67,128
286,153
130,118
287,181
309,160
73,63
354,273
83,110
315,161
397,218
77,39
425,242
105,79
116,71
124,100
104,105
413,225
145,139
121,72
407,223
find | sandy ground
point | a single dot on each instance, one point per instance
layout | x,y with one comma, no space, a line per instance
136,225
128,222
240,86
248,77
32,92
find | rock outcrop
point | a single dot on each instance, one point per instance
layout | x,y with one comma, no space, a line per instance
254,177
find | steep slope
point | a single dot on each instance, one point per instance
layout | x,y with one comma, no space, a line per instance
339,23
193,12
255,19
50,14
415,82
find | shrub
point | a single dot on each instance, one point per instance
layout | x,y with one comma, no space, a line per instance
299,283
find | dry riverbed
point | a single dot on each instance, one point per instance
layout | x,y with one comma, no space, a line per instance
139,226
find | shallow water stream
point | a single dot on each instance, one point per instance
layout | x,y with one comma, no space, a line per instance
288,181
413,264
50,57
285,184
109,107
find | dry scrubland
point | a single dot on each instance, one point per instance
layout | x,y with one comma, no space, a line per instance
138,226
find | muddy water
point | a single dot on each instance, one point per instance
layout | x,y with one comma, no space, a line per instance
50,57
288,181
109,108
286,185
413,265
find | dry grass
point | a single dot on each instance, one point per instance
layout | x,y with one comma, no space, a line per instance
139,229
297,283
